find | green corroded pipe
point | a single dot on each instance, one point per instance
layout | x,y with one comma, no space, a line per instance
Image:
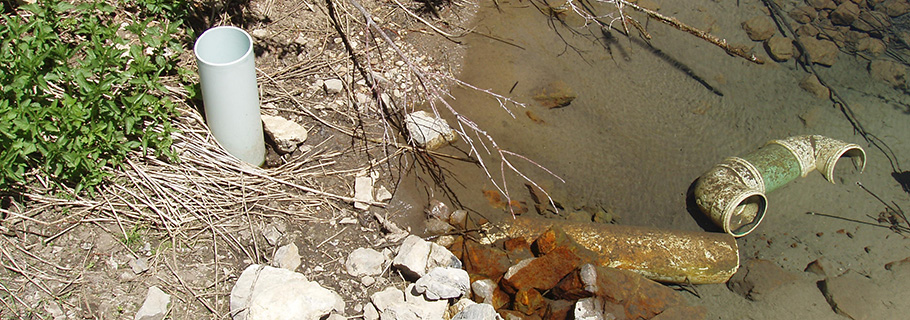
732,193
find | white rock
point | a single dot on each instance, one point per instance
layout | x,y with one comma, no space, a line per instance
383,194
443,283
336,316
367,281
260,33
412,257
264,292
287,257
54,309
461,304
398,311
364,262
386,298
287,134
484,289
139,265
428,131
425,309
442,257
370,312
589,309
333,86
480,311
155,305
363,192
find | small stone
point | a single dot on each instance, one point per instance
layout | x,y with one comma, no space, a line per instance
437,227
894,8
335,316
367,281
811,84
822,4
428,131
363,192
271,234
458,219
542,273
287,257
480,311
446,241
871,46
370,312
485,260
412,257
139,265
759,28
155,305
808,31
483,289
443,283
364,262
383,194
260,33
286,134
529,301
845,14
333,86
589,309
822,52
779,48
301,39
891,72
872,21
387,298
803,14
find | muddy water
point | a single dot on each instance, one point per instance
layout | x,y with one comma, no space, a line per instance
649,118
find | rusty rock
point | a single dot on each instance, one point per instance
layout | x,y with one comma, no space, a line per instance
485,260
529,302
555,238
558,309
571,287
554,95
541,273
518,249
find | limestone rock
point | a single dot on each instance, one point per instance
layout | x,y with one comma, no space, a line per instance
811,84
264,292
416,256
443,283
779,48
287,134
364,262
333,86
480,311
363,192
822,52
757,278
155,305
139,265
845,14
892,73
383,194
424,308
386,298
759,28
287,257
428,131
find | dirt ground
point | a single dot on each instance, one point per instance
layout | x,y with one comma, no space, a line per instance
632,143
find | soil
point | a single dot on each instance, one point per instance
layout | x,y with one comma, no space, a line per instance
648,119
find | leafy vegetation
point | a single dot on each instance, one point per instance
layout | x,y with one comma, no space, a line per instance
80,89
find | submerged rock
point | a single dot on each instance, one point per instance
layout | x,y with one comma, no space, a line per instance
428,131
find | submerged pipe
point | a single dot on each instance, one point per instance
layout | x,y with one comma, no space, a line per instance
732,193
227,75
672,256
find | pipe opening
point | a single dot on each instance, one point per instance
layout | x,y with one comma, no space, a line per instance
747,215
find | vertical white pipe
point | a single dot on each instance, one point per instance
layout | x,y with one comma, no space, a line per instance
227,75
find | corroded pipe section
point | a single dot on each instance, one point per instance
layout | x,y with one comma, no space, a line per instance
732,193
661,255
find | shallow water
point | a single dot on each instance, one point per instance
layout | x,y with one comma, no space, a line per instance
650,117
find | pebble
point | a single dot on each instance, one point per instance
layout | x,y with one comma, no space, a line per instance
364,262
263,292
155,305
759,28
480,311
287,257
286,134
332,86
779,48
443,283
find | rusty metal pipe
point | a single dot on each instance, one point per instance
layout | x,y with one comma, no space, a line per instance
732,193
672,256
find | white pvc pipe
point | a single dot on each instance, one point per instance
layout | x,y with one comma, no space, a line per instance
227,75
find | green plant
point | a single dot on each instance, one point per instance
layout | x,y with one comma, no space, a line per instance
76,96
133,238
